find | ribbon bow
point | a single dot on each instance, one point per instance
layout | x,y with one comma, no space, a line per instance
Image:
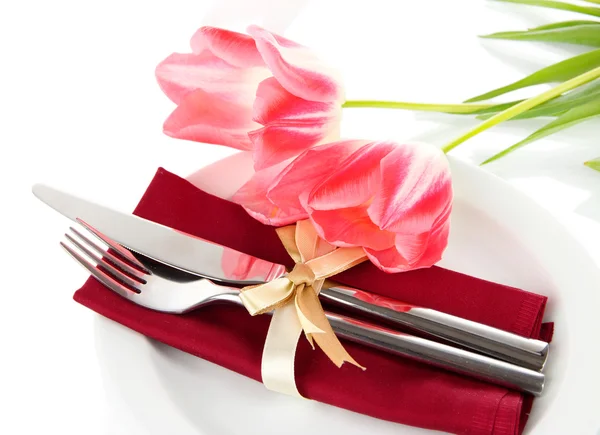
294,297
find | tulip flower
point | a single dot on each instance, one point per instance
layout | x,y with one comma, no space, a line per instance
393,200
258,92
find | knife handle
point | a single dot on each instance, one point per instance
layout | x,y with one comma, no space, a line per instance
430,352
499,344
439,355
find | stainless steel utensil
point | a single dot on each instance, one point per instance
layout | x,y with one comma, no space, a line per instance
203,258
128,276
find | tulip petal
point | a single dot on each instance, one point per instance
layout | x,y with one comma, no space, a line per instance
203,117
297,68
291,187
292,124
276,143
274,103
412,246
392,261
414,251
180,74
415,189
389,260
347,227
253,197
234,48
438,238
354,181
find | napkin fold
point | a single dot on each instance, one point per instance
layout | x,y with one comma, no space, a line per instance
392,388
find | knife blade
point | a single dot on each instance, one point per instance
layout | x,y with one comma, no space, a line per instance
159,242
204,258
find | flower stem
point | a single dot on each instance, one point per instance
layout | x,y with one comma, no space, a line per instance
524,106
448,108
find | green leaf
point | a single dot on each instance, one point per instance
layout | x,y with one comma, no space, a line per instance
525,105
485,113
563,24
555,107
593,1
589,10
582,34
574,116
594,164
558,72
426,107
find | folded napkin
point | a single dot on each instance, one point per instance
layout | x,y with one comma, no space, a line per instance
392,388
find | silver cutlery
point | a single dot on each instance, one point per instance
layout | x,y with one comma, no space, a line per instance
126,274
203,258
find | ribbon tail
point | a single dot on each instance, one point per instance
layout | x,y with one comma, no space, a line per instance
279,352
317,328
307,326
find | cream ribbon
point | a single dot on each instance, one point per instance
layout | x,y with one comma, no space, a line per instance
294,299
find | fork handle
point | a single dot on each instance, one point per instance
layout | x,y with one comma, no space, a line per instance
438,354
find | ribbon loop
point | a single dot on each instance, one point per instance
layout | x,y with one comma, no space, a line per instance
294,297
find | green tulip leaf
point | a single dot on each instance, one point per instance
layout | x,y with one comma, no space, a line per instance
563,24
594,164
486,112
581,34
554,107
468,109
524,106
574,116
558,72
589,10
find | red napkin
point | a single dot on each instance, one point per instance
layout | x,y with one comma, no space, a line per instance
391,388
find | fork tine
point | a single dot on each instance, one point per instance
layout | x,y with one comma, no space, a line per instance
99,274
120,250
105,265
109,256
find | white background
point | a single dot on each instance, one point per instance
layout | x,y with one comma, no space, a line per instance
80,109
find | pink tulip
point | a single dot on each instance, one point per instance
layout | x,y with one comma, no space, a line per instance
258,92
394,200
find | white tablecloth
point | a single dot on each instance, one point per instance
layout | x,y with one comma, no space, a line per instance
80,109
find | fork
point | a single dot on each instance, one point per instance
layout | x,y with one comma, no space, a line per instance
132,277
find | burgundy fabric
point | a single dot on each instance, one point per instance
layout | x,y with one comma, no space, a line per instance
391,388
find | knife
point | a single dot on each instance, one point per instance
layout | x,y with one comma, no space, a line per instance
201,257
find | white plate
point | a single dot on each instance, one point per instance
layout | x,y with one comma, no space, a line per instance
497,234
